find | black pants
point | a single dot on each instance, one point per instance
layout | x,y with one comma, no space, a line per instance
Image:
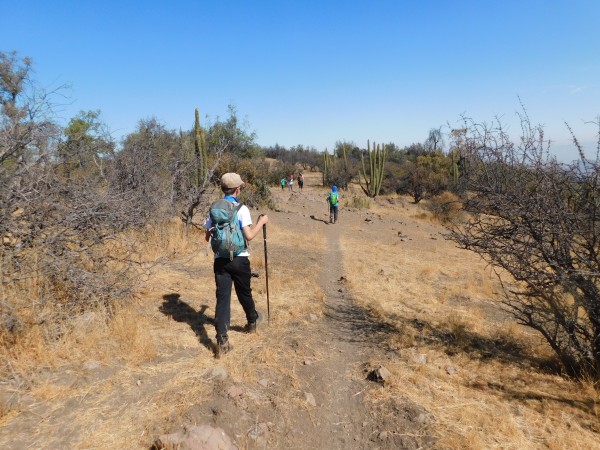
236,272
333,213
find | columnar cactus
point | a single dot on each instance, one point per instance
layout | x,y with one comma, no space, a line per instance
345,156
201,152
326,167
377,158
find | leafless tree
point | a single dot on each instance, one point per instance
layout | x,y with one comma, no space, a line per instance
435,140
538,220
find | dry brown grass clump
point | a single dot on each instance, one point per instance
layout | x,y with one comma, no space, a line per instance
446,207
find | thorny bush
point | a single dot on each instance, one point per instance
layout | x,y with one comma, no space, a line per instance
538,220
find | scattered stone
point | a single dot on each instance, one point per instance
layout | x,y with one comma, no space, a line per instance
235,392
254,274
138,382
307,362
91,365
424,419
313,317
264,382
365,423
451,370
202,437
310,399
380,375
216,373
382,436
343,279
421,358
259,430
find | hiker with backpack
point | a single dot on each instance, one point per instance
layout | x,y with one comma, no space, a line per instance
333,199
229,229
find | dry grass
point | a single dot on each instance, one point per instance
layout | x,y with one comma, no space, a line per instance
470,366
460,357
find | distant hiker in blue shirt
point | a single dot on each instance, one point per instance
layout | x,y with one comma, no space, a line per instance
333,199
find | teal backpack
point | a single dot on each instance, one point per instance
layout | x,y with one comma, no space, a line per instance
227,238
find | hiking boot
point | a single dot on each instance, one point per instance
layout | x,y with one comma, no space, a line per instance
222,348
252,326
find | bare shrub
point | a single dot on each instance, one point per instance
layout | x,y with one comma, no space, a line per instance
60,218
537,219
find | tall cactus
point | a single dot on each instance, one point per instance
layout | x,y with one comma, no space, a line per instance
377,158
345,156
201,153
326,167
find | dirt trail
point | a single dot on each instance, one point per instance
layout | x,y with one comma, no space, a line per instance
340,418
302,386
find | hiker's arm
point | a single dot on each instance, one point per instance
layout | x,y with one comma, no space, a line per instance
250,232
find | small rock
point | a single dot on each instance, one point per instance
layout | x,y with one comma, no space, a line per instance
138,382
258,430
379,375
307,362
451,370
310,399
264,382
313,317
364,424
235,392
216,373
91,365
421,358
382,436
203,437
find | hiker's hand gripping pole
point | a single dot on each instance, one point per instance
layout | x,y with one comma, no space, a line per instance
266,270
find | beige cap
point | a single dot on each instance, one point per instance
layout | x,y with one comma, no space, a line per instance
231,180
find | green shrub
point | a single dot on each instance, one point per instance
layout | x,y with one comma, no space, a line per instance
257,195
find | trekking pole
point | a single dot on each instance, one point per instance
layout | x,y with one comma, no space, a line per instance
266,271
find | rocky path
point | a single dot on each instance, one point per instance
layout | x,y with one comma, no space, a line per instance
340,418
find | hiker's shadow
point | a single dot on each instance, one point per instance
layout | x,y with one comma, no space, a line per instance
313,217
180,311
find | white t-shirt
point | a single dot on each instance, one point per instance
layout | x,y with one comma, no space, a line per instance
244,219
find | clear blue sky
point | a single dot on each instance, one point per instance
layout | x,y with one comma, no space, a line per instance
313,72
